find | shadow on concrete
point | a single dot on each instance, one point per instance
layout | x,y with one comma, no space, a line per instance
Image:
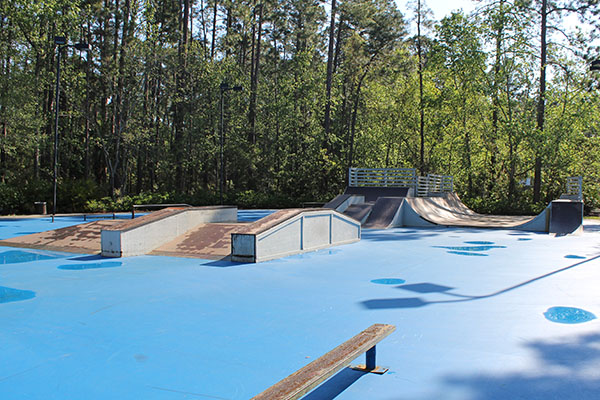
414,302
335,385
407,302
379,236
591,228
91,257
425,288
8,295
567,371
223,263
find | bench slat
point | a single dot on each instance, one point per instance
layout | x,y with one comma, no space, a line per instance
307,378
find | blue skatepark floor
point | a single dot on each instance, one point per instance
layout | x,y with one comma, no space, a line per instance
476,313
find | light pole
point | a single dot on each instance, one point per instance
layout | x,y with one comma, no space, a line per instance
224,88
61,43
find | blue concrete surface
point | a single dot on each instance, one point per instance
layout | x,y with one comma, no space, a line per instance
174,328
12,227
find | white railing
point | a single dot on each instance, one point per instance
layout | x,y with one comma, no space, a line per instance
382,177
422,189
574,188
401,177
431,185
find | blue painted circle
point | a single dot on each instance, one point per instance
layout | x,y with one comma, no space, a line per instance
388,281
523,239
575,257
479,242
568,315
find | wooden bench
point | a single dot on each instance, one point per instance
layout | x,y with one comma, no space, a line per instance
307,378
149,206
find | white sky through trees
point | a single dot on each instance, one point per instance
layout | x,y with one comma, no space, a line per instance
441,8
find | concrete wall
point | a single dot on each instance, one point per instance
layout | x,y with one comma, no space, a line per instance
144,237
307,231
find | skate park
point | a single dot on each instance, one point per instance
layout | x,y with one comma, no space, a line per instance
373,199
157,323
387,198
160,327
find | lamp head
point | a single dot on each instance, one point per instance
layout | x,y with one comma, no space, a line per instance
60,40
595,65
82,46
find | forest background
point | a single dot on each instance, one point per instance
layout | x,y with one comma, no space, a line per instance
494,97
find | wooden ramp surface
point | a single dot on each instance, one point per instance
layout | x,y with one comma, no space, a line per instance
210,241
82,238
443,211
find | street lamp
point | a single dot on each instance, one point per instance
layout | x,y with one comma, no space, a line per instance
61,43
224,88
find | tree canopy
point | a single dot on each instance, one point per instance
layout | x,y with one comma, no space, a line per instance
493,97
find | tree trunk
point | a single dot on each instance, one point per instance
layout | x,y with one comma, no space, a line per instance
181,103
254,79
422,168
214,31
495,99
329,77
541,106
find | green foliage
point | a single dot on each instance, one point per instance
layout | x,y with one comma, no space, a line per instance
10,199
504,206
139,117
253,199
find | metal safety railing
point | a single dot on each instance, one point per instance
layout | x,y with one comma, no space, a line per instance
432,185
574,188
423,186
382,177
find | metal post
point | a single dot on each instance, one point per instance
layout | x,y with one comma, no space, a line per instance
222,173
224,87
61,43
370,363
56,107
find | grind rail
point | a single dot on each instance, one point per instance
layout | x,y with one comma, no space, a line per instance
307,378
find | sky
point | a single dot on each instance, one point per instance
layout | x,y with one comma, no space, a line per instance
440,8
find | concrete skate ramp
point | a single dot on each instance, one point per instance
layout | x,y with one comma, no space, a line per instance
337,201
208,241
144,234
292,231
359,212
566,216
373,193
385,213
82,238
341,202
448,210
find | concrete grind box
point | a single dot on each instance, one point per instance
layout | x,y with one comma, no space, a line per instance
307,231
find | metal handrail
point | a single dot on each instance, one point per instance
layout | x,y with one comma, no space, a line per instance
382,177
574,187
423,186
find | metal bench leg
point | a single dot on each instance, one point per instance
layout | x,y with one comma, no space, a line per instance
370,359
370,364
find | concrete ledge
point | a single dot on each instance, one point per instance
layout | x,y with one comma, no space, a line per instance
292,231
144,234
